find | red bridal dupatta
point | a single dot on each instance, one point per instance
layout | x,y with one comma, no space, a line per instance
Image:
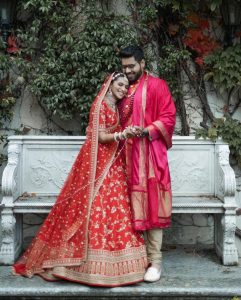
62,245
149,177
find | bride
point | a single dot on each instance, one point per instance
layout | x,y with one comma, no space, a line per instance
87,236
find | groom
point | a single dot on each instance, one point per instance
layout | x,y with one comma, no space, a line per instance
150,111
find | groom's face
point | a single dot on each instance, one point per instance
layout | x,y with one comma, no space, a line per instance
132,68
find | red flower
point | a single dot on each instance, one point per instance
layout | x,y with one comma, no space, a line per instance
199,39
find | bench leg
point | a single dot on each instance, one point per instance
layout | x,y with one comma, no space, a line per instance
7,252
225,226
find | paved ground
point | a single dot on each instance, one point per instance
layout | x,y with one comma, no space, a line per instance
187,274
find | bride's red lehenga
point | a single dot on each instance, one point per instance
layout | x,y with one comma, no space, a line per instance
88,237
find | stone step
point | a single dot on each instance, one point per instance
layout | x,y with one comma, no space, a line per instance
187,274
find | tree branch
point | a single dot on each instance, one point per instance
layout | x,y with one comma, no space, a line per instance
181,107
196,87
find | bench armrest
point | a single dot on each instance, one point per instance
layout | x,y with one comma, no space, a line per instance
225,177
9,178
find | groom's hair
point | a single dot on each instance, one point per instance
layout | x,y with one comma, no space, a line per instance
132,50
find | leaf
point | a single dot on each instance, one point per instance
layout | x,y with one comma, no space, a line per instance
212,132
208,76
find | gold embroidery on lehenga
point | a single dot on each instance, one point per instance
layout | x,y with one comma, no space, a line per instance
108,267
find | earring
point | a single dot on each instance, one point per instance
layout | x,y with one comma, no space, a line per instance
109,94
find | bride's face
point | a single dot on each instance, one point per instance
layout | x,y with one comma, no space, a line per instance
119,88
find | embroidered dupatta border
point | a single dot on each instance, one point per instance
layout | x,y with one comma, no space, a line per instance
94,184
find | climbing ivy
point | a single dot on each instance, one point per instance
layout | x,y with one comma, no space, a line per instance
7,100
66,51
183,33
224,68
167,66
229,130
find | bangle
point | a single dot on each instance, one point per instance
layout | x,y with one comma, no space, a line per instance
120,136
124,134
116,136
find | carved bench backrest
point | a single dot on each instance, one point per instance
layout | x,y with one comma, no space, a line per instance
192,164
45,161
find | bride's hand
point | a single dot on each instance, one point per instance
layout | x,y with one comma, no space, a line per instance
131,132
138,131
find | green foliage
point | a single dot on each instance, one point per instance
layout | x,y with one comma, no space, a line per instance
224,68
7,100
67,53
167,67
229,130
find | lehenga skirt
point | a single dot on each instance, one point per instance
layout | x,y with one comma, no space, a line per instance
116,253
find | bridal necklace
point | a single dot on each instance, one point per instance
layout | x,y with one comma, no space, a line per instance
110,101
127,109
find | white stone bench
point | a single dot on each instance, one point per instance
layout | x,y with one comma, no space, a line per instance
202,182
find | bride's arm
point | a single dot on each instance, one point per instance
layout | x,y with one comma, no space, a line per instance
105,138
128,132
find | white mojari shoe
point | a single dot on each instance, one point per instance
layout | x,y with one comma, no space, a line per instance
152,274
